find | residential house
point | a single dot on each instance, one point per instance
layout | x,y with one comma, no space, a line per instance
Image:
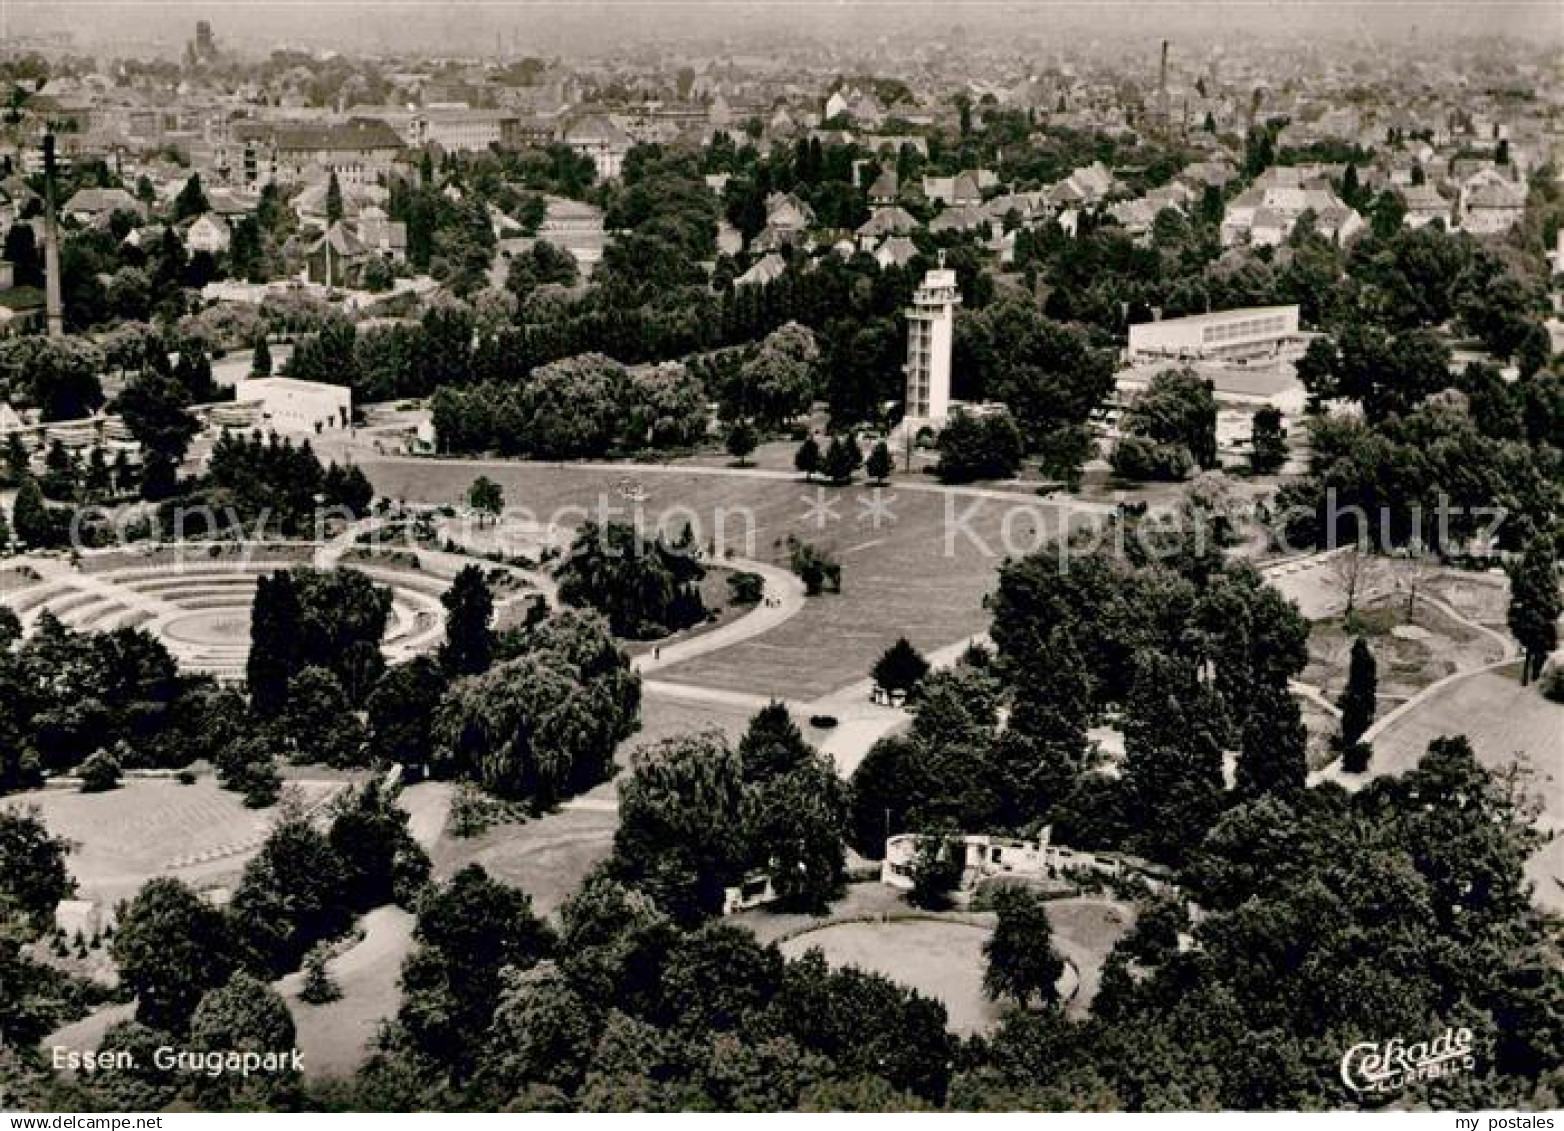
730,241
21,308
788,218
310,202
89,205
208,233
336,258
787,212
231,205
378,233
1265,217
886,221
766,270
885,189
576,227
1094,182
1198,174
1135,216
896,251
600,140
959,219
1490,203
959,191
1026,208
1424,205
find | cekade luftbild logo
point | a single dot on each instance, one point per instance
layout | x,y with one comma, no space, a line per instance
1392,1065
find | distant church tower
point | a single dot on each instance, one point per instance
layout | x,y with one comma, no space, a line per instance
931,325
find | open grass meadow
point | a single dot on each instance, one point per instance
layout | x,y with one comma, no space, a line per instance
922,570
151,827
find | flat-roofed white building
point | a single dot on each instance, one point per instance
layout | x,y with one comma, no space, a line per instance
1254,331
289,406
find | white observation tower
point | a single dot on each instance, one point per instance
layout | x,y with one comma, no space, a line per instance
931,325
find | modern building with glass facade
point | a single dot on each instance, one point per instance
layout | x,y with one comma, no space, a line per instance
1255,331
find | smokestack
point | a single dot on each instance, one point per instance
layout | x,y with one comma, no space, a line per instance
53,308
1162,89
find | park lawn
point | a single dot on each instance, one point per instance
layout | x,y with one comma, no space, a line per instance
923,575
547,857
150,827
1506,723
1440,647
1480,597
1085,932
663,716
336,1037
942,959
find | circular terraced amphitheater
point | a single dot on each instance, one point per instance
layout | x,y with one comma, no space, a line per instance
199,604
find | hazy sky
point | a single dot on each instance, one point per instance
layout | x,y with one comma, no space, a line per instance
566,25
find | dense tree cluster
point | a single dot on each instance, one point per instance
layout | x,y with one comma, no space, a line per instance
1169,429
1191,658
65,694
577,408
774,384
34,997
646,587
973,446
698,816
1439,475
302,619
1049,374
58,376
281,485
544,723
622,1009
1349,963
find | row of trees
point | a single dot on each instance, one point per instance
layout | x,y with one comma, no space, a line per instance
284,485
580,407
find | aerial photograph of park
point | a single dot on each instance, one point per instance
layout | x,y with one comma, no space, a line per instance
648,556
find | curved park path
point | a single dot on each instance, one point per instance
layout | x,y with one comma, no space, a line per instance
781,587
1507,723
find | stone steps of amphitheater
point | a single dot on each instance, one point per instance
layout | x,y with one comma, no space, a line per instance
147,594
